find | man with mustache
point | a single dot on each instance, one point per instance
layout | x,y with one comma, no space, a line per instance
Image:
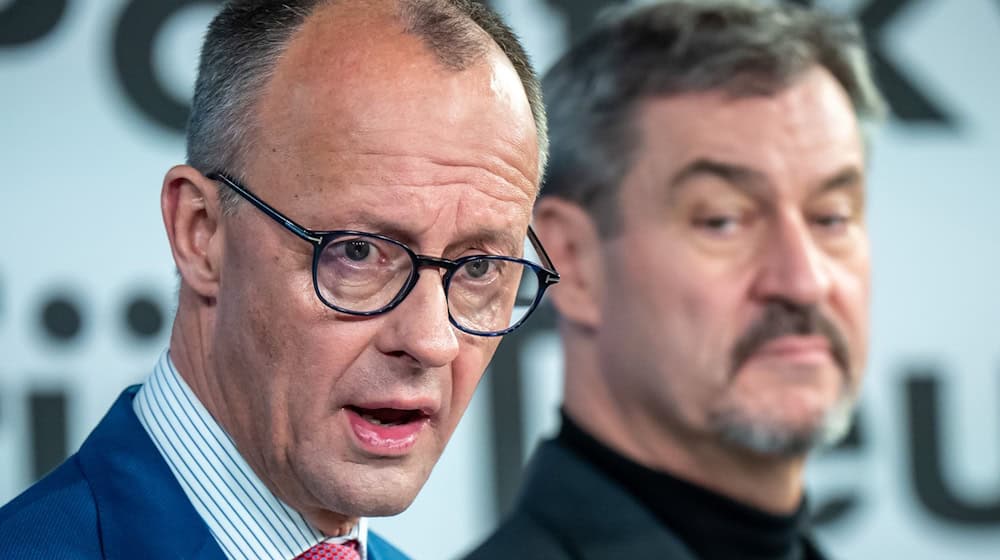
705,204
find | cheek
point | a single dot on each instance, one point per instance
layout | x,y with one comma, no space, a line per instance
299,350
695,314
274,321
330,358
673,326
851,299
706,323
269,286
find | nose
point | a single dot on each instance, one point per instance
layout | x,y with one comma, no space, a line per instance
793,267
419,327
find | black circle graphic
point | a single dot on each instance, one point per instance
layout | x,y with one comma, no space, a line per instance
137,29
144,317
61,318
25,21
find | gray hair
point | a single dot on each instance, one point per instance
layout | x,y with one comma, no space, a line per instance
739,47
247,38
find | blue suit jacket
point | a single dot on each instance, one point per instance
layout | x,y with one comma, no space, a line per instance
116,498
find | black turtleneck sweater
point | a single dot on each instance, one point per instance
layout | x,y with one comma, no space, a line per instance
713,526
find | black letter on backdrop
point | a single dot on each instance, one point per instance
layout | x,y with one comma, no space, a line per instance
839,506
925,457
907,101
136,33
47,410
506,380
25,21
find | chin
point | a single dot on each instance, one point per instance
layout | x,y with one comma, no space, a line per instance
784,430
380,505
373,502
361,490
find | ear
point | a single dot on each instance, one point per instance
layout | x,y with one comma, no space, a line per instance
191,212
572,242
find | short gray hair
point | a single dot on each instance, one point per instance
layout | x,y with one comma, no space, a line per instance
246,39
739,47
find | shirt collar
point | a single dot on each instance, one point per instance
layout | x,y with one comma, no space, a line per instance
246,519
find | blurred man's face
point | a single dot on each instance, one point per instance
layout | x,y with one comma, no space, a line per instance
343,413
736,301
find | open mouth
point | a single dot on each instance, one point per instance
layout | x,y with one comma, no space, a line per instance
386,431
388,416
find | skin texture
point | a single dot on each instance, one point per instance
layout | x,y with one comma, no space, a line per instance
734,207
361,128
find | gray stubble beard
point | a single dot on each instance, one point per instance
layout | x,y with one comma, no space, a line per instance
764,436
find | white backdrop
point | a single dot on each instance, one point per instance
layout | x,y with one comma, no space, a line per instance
87,283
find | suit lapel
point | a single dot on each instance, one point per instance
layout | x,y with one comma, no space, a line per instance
590,514
142,510
379,549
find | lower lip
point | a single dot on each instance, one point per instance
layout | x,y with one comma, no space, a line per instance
796,349
383,439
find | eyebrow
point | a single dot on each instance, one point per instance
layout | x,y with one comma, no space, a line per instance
741,176
366,221
505,240
848,177
752,181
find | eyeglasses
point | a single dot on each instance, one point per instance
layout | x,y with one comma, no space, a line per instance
365,274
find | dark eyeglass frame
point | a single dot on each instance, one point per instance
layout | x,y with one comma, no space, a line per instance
546,273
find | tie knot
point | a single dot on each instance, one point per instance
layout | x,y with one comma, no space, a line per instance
332,551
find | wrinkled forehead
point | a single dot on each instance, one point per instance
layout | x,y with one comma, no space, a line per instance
805,130
362,127
356,79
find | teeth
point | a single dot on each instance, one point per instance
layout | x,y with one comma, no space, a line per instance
379,422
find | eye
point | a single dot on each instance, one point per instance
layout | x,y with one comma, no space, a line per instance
717,223
477,269
361,252
835,213
357,250
831,220
722,224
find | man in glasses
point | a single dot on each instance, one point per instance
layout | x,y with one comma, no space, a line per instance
349,233
705,205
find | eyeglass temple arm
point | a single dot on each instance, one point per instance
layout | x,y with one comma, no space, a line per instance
263,207
553,274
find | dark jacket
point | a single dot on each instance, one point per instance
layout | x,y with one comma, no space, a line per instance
569,509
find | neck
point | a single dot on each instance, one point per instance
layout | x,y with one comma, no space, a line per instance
330,523
770,483
190,340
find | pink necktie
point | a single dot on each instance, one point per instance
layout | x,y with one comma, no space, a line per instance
331,551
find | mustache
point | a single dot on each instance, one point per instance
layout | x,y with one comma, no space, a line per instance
784,318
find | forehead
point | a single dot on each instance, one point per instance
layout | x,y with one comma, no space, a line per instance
361,115
353,76
802,133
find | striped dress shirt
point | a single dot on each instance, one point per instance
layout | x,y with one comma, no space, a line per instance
246,519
